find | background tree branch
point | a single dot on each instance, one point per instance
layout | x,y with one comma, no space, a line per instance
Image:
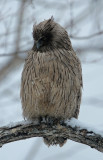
73,131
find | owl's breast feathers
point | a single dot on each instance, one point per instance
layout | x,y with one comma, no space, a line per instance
51,84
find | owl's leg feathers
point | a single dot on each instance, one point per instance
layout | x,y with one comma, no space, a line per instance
49,120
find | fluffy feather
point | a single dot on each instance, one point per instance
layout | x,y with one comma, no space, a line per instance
52,77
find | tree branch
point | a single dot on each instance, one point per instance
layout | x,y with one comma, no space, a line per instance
13,54
87,37
73,131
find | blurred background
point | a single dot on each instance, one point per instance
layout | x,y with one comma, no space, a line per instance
84,22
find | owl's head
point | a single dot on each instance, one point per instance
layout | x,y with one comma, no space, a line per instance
49,35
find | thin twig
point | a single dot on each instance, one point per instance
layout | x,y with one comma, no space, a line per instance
87,37
13,54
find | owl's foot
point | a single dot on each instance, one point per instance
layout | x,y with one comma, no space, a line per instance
48,120
41,119
62,122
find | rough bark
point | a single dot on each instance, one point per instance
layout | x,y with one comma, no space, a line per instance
27,130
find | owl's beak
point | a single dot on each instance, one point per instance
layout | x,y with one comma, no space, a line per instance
39,43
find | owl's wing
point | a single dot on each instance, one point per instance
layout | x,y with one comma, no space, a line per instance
69,59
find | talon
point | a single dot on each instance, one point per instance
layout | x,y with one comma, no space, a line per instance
62,122
40,119
49,120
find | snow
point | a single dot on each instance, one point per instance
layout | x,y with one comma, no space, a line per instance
80,125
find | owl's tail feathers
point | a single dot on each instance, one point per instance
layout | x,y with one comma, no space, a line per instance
55,140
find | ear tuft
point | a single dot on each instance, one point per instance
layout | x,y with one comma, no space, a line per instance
52,18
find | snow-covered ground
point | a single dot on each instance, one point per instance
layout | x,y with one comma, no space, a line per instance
91,112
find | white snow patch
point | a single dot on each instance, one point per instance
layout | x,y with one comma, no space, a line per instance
24,122
76,123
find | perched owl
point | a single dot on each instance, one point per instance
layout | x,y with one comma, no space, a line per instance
52,78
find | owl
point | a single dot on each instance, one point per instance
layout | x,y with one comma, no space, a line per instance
51,81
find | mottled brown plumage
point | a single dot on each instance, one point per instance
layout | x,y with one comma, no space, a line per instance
52,77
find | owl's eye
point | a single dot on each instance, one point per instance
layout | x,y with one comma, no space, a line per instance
42,38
